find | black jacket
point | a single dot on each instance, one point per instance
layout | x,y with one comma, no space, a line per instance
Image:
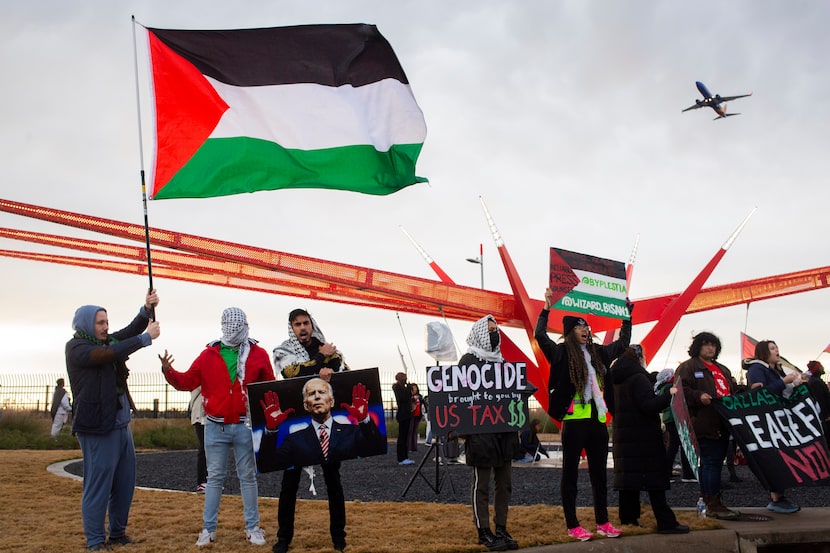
639,454
560,387
92,376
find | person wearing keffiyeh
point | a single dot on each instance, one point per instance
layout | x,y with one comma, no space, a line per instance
490,452
95,362
223,370
306,353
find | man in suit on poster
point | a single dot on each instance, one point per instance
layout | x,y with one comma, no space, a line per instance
324,442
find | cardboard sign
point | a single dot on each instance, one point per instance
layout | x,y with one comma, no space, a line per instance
478,399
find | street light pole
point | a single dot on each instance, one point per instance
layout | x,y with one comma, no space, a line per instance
479,261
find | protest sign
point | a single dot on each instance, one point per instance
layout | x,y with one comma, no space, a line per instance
478,399
586,284
781,438
293,442
685,431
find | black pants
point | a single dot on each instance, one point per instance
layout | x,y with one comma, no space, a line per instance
592,436
403,439
288,502
201,461
480,494
630,508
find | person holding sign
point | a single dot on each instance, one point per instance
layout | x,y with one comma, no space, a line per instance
306,353
703,380
578,385
765,371
639,456
490,452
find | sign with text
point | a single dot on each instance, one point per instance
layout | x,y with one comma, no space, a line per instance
478,399
586,284
781,438
685,431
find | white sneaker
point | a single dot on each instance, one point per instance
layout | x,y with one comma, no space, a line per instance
255,535
205,538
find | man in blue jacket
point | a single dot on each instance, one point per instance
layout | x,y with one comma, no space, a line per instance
95,361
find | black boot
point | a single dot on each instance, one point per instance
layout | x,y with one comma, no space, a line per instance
501,533
491,542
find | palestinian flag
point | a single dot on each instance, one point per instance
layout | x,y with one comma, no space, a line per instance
586,284
315,106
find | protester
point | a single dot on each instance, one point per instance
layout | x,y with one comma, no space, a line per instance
581,399
61,407
306,353
532,448
765,371
197,420
820,392
403,399
639,454
223,370
95,361
491,452
704,379
416,414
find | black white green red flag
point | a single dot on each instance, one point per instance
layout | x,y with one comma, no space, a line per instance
314,106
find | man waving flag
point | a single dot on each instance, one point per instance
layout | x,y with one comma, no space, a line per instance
313,106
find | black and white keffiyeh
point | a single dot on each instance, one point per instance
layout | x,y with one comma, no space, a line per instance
235,334
292,351
479,341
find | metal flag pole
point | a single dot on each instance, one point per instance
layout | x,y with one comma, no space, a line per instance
141,165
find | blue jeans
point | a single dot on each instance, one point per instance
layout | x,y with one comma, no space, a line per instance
109,483
712,455
219,439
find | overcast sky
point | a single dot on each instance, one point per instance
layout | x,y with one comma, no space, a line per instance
564,116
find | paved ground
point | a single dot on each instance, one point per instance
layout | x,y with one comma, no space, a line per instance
382,479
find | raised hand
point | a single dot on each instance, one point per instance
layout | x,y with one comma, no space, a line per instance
166,361
359,409
271,406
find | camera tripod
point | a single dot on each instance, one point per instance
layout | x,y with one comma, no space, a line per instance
440,476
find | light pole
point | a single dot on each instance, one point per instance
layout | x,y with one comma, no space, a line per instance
479,261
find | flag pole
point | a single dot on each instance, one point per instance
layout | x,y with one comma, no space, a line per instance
141,166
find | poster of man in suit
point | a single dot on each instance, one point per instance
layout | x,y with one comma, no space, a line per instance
308,421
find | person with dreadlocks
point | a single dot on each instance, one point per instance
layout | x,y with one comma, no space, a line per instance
95,361
223,370
491,452
306,353
580,398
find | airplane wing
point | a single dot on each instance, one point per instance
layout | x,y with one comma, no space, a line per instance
696,106
730,98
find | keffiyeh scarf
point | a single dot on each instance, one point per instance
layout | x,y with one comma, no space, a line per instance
479,341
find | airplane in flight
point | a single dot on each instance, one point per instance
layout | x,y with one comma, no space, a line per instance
714,101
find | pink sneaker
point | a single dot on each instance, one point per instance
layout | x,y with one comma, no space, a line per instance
608,531
580,533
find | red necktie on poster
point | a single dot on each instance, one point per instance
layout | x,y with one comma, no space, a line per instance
324,441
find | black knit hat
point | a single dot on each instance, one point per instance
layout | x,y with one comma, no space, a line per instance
568,323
